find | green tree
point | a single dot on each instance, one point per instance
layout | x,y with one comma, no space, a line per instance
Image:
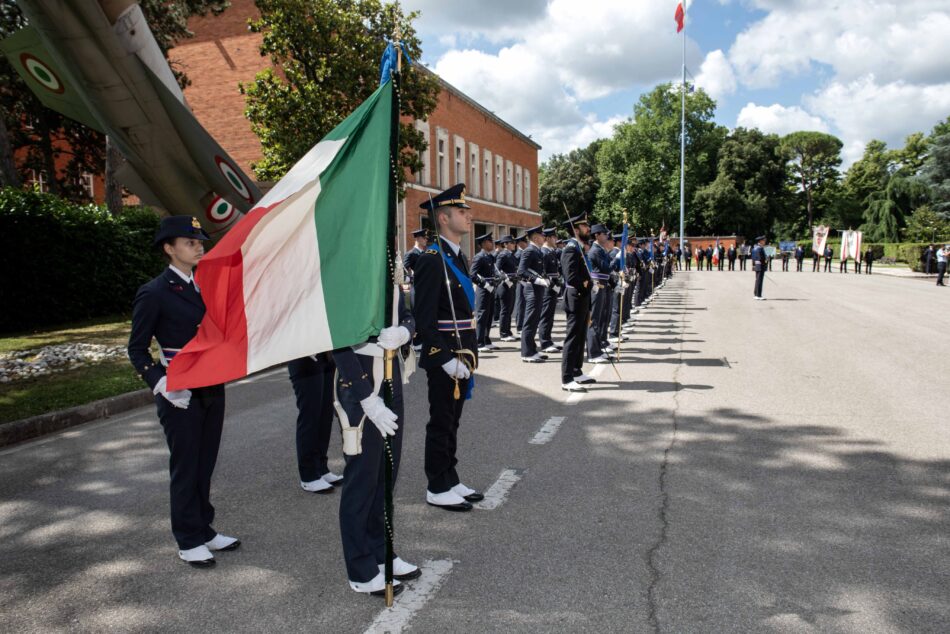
814,159
926,225
326,55
935,173
889,207
568,180
639,167
909,159
867,175
749,193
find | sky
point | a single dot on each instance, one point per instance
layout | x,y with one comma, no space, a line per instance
566,71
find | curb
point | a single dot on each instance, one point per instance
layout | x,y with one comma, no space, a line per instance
27,428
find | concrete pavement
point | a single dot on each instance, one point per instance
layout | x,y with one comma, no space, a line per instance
762,466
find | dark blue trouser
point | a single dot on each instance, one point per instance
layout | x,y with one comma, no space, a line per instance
506,296
533,301
546,325
597,306
484,308
362,524
313,387
442,429
193,436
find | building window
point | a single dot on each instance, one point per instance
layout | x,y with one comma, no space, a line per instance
499,175
474,182
459,155
424,176
527,189
442,161
509,183
518,189
38,182
88,184
488,179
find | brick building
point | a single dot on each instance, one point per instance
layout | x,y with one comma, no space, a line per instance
467,143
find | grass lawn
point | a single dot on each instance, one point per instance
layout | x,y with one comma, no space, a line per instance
59,390
106,330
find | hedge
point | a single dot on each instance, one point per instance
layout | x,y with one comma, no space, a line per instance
907,252
64,262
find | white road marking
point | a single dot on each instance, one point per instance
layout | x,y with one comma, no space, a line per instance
416,594
547,431
262,375
595,372
498,492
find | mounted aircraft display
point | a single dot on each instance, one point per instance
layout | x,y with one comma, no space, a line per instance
97,62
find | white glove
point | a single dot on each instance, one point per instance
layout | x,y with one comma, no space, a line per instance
383,417
540,281
509,283
393,337
488,287
179,399
456,369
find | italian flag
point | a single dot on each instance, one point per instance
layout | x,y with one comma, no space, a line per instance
305,271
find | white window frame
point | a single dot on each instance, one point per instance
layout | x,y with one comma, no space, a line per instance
499,178
509,183
474,181
458,159
519,192
41,180
88,183
442,160
527,189
488,173
424,176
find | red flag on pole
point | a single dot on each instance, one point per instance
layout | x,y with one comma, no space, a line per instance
679,16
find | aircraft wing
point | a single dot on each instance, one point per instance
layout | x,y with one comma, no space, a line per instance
107,72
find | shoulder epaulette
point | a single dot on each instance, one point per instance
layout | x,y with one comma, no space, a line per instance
432,252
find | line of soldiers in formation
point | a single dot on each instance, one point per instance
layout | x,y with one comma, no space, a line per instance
722,257
449,318
520,281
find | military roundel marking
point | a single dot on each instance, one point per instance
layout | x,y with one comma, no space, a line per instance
42,73
231,174
220,210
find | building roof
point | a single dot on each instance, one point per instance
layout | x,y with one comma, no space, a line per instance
488,113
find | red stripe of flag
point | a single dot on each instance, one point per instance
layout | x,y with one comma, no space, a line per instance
679,16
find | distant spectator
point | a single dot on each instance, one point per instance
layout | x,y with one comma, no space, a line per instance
942,256
927,260
868,259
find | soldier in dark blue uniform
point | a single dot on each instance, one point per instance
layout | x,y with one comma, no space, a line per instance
483,274
552,271
443,314
600,276
575,271
421,237
521,243
312,380
506,266
533,286
759,265
169,309
359,396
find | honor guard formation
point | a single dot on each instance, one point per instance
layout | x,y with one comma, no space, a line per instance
449,309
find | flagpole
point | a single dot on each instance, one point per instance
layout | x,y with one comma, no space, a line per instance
389,355
683,138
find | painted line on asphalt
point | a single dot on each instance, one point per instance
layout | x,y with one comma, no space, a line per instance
412,599
498,492
547,431
595,372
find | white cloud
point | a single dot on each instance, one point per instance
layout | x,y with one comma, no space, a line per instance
493,19
896,39
716,76
864,109
778,119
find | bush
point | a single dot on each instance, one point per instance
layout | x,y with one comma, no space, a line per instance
911,252
64,262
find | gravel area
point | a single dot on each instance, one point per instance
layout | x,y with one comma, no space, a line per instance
24,364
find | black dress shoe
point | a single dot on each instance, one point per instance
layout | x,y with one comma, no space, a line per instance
478,496
382,593
458,508
207,563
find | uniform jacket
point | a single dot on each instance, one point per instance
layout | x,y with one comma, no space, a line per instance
731,253
506,263
799,253
169,310
574,268
552,266
599,263
531,260
409,262
432,307
758,255
483,268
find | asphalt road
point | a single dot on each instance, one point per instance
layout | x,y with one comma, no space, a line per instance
777,466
